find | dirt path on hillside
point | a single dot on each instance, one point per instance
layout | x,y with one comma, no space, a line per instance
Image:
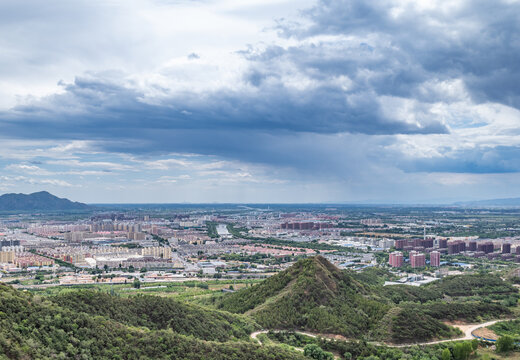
467,329
313,335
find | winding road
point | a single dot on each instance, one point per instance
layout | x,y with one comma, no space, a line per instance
467,329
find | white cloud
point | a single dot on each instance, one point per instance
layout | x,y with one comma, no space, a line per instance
107,165
36,181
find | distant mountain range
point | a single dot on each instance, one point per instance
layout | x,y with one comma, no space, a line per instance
491,202
41,201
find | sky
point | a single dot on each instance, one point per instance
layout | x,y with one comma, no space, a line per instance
260,101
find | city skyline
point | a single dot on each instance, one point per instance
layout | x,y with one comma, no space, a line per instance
260,102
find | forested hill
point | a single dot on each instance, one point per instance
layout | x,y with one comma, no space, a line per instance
316,296
313,295
158,313
41,201
32,327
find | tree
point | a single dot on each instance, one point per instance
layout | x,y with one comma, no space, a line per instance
315,352
137,283
446,354
505,344
461,351
467,349
474,344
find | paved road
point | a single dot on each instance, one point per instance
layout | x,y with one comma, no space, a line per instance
466,329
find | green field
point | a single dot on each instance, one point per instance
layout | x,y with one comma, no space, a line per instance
187,290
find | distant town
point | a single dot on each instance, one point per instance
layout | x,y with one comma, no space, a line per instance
230,242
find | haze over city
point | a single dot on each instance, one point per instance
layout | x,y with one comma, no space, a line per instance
260,101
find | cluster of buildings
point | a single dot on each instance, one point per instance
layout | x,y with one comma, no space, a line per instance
188,236
364,242
436,247
414,244
276,251
12,261
54,230
28,260
114,256
307,225
109,229
137,262
371,222
483,248
417,260
13,257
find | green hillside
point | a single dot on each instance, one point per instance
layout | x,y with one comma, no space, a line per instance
316,296
473,285
401,293
311,295
158,313
32,327
405,324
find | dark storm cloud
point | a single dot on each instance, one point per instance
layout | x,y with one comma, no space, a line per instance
275,126
373,71
97,109
350,56
482,160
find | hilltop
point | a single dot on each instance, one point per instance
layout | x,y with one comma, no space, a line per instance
311,295
41,201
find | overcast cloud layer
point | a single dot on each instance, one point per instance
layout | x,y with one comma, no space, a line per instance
260,101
